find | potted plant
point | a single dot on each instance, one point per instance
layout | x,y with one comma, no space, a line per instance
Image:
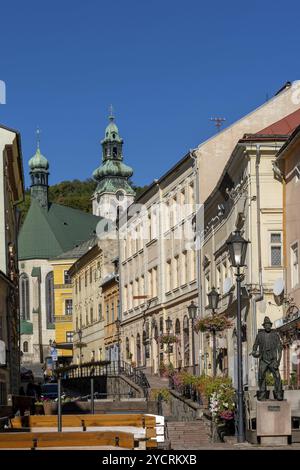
50,407
213,323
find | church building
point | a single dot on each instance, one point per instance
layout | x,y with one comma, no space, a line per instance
49,230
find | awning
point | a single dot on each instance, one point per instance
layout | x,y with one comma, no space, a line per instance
68,346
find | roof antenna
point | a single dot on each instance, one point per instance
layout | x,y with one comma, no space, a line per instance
218,122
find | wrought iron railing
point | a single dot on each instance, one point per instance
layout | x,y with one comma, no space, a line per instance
105,368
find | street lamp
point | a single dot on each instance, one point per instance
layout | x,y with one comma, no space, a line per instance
213,299
168,328
193,309
118,324
79,332
237,247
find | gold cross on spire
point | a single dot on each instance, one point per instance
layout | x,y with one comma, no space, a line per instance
38,139
111,112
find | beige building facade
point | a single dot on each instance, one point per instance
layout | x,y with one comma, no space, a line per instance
87,274
288,163
158,270
248,197
11,193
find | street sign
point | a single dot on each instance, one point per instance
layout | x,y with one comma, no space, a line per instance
53,354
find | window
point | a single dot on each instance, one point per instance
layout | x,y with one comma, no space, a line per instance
24,297
112,312
92,314
294,265
79,282
276,249
218,280
76,286
85,278
25,347
91,275
100,312
184,268
67,278
169,275
150,226
69,336
107,313
207,285
68,307
49,288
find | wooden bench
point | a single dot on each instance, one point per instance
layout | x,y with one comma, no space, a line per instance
33,440
85,421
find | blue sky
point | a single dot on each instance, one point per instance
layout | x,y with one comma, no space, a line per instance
167,66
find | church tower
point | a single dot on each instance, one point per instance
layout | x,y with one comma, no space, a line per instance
39,173
113,188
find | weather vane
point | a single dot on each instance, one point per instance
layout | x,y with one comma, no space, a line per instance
218,122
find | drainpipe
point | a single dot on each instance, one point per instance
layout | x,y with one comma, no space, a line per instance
198,231
260,296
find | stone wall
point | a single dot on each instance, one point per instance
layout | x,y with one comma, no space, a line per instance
182,409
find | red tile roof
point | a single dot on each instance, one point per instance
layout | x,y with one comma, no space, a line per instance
284,126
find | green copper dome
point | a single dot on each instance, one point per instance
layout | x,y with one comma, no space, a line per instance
112,132
38,161
112,168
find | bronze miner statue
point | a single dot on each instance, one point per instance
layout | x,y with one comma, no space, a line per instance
268,348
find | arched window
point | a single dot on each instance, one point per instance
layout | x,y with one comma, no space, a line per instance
49,288
177,327
24,297
25,347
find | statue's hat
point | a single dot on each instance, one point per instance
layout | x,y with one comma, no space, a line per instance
267,320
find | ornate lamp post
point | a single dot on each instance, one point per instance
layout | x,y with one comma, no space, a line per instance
118,325
237,247
79,332
168,328
193,309
213,299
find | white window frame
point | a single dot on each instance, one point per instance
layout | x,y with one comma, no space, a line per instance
275,232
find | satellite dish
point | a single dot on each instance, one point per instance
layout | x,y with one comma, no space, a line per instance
278,287
2,353
278,290
262,306
227,285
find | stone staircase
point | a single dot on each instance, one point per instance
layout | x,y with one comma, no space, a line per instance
188,435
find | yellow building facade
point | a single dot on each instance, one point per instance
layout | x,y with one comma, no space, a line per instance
63,308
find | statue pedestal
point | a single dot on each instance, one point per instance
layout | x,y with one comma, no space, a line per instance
273,422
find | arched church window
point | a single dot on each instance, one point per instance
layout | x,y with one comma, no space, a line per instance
25,347
49,285
114,135
115,151
24,297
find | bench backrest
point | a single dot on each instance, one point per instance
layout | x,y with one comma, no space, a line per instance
84,421
66,439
